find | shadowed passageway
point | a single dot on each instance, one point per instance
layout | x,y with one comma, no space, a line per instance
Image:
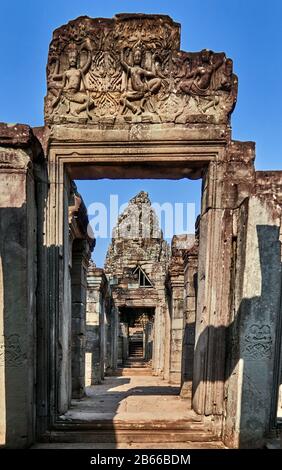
131,398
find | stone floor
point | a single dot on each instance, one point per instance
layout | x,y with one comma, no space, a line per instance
131,412
131,398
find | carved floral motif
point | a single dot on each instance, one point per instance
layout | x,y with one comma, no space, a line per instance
258,341
130,69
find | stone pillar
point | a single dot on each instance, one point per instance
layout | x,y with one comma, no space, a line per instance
100,322
111,334
95,325
158,330
80,258
190,258
148,341
123,343
254,341
108,353
18,276
176,286
167,338
226,183
114,326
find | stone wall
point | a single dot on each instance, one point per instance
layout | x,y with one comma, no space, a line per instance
20,152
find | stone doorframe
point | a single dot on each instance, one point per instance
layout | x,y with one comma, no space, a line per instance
159,153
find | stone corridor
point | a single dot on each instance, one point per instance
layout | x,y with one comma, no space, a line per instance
135,410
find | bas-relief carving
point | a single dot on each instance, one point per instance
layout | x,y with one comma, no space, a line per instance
258,342
11,351
130,69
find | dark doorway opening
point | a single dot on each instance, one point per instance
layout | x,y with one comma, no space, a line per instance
136,335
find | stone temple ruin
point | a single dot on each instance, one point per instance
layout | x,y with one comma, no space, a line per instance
140,293
202,316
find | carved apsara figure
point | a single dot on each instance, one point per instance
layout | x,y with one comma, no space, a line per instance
198,82
73,86
144,83
226,81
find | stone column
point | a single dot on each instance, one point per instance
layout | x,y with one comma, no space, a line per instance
123,343
158,330
18,276
176,286
167,338
95,325
190,258
114,325
227,182
80,258
254,340
148,341
111,334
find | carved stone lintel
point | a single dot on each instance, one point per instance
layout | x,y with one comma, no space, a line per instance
129,69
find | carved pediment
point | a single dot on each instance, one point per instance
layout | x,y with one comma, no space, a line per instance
130,69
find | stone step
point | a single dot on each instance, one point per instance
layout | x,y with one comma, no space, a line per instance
156,431
129,436
126,445
194,424
133,362
131,371
148,432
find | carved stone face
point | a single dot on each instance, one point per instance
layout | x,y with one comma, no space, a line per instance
137,57
73,58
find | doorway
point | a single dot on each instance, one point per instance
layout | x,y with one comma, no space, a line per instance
137,341
154,158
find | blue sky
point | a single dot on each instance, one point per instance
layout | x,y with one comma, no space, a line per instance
249,31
